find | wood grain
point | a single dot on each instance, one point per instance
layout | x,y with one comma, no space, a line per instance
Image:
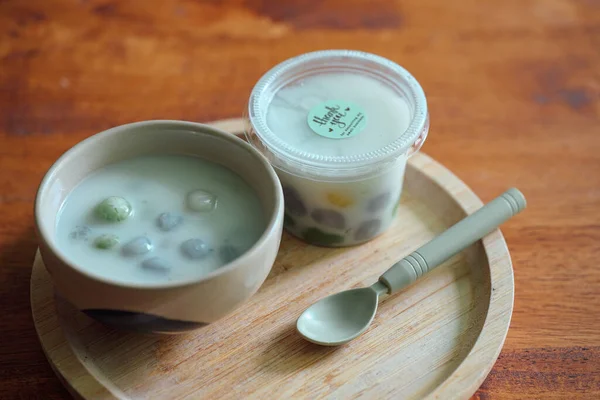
514,95
437,339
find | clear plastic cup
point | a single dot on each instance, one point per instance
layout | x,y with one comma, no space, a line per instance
338,126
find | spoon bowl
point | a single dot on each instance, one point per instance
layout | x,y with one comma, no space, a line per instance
339,318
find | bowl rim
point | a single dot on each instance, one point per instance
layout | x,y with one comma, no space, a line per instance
195,128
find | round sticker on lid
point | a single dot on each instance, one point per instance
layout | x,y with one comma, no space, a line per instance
337,119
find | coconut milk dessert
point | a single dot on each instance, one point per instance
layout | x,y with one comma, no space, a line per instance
338,126
159,219
341,213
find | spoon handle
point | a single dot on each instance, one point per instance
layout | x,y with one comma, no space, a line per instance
456,238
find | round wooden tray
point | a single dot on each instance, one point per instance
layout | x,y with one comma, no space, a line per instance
437,339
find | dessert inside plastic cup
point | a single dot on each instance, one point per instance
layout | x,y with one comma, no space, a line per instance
339,127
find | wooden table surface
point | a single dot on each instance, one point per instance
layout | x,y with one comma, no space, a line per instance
514,94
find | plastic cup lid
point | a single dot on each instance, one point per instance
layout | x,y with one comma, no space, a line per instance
337,112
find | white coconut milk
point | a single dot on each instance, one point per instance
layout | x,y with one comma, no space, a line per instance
155,185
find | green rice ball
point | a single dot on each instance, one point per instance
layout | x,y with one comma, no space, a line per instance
114,209
106,242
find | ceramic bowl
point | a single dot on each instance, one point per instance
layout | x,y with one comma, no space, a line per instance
165,307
